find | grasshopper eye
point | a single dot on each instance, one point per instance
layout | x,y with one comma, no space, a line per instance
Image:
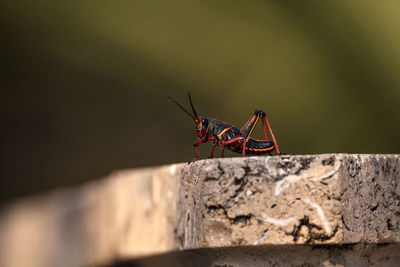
199,125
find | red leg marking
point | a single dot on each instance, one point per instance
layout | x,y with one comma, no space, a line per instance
265,130
272,135
196,152
222,153
233,140
213,150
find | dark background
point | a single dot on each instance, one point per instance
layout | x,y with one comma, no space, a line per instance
84,84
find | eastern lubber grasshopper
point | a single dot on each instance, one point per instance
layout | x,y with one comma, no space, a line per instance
229,137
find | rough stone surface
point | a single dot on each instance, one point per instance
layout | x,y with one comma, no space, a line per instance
370,195
324,199
293,206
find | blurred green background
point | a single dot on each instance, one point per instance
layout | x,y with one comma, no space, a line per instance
85,83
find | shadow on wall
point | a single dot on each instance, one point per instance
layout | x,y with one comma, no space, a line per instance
314,255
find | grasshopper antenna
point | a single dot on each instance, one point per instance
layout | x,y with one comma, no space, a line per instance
187,112
191,104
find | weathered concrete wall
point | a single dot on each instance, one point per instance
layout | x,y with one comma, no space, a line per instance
292,200
280,203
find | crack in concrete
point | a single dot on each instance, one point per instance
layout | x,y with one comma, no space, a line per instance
313,232
241,218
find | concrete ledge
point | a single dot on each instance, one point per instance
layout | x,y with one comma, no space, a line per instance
295,202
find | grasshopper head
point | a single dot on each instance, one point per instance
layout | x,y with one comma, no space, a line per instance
201,126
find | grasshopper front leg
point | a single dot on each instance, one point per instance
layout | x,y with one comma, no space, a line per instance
196,151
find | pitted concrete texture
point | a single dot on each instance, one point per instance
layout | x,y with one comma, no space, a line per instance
370,196
273,200
300,202
322,199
